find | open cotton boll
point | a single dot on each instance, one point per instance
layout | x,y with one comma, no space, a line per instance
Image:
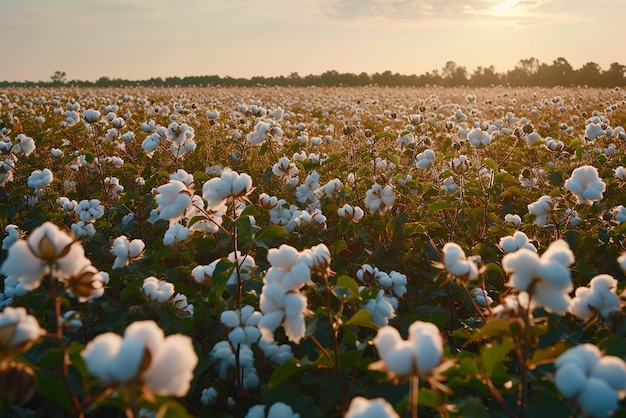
612,370
125,365
230,319
387,338
370,408
584,356
597,398
586,185
98,354
457,264
570,379
428,345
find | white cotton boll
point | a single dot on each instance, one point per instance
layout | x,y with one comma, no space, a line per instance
585,356
158,291
237,336
556,275
570,379
171,369
175,234
98,354
554,300
384,280
401,362
521,240
508,244
252,334
282,257
135,248
281,410
612,370
583,299
386,340
586,185
124,366
428,345
209,396
270,322
230,319
257,411
521,266
295,304
597,398
374,408
295,328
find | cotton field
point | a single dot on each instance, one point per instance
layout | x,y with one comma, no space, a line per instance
312,252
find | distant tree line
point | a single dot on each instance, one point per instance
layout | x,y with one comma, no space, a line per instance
527,73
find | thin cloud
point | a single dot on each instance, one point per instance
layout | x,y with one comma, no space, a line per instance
446,12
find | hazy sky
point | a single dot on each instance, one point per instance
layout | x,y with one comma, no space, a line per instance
139,39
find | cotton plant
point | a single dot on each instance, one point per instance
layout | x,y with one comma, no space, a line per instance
594,382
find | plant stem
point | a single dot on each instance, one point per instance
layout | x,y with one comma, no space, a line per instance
415,383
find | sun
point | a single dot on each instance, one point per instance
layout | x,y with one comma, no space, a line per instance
505,5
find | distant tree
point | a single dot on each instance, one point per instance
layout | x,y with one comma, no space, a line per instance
484,77
58,78
614,76
560,73
589,74
453,74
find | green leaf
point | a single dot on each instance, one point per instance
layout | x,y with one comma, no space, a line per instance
221,274
362,318
493,354
548,354
52,387
493,328
286,370
505,178
338,247
491,164
445,144
437,206
348,283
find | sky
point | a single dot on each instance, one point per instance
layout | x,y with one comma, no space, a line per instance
140,39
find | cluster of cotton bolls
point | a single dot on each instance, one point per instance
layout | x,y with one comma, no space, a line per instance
420,355
548,277
227,357
457,263
542,209
512,243
352,213
586,185
425,158
126,251
382,306
594,381
281,301
380,198
158,291
599,298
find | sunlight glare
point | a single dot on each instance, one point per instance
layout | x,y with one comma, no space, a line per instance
504,5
